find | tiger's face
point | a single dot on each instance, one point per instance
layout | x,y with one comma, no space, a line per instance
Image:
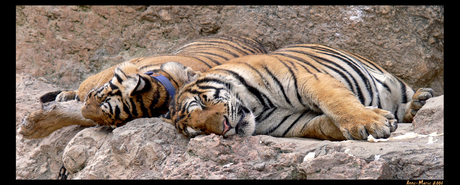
128,95
204,110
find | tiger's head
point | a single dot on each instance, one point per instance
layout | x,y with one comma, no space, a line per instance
131,94
205,106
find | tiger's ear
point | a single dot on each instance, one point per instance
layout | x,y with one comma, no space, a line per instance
191,74
142,85
166,117
180,73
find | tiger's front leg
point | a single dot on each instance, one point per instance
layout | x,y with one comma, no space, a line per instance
340,106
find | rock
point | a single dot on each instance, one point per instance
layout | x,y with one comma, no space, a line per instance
83,146
333,166
38,158
136,150
164,153
211,156
430,118
67,44
42,159
376,170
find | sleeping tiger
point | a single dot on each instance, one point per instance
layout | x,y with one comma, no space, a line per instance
144,87
302,90
141,87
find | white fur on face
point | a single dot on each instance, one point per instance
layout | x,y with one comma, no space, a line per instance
192,132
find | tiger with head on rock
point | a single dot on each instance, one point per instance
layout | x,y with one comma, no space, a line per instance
143,87
302,90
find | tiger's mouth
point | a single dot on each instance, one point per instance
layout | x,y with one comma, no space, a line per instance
226,125
239,126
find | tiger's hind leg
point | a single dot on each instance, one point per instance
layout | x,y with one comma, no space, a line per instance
418,100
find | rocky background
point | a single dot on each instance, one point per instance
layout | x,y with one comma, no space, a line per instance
66,44
57,47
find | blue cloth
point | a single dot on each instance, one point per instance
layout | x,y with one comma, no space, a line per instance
166,83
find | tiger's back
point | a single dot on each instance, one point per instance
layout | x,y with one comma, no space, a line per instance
369,82
200,55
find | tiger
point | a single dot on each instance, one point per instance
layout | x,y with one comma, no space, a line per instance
301,90
140,87
143,87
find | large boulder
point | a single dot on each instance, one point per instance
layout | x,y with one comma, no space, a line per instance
66,44
41,158
135,151
430,118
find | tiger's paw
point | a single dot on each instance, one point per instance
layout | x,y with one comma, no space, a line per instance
59,96
49,97
378,122
66,96
418,100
